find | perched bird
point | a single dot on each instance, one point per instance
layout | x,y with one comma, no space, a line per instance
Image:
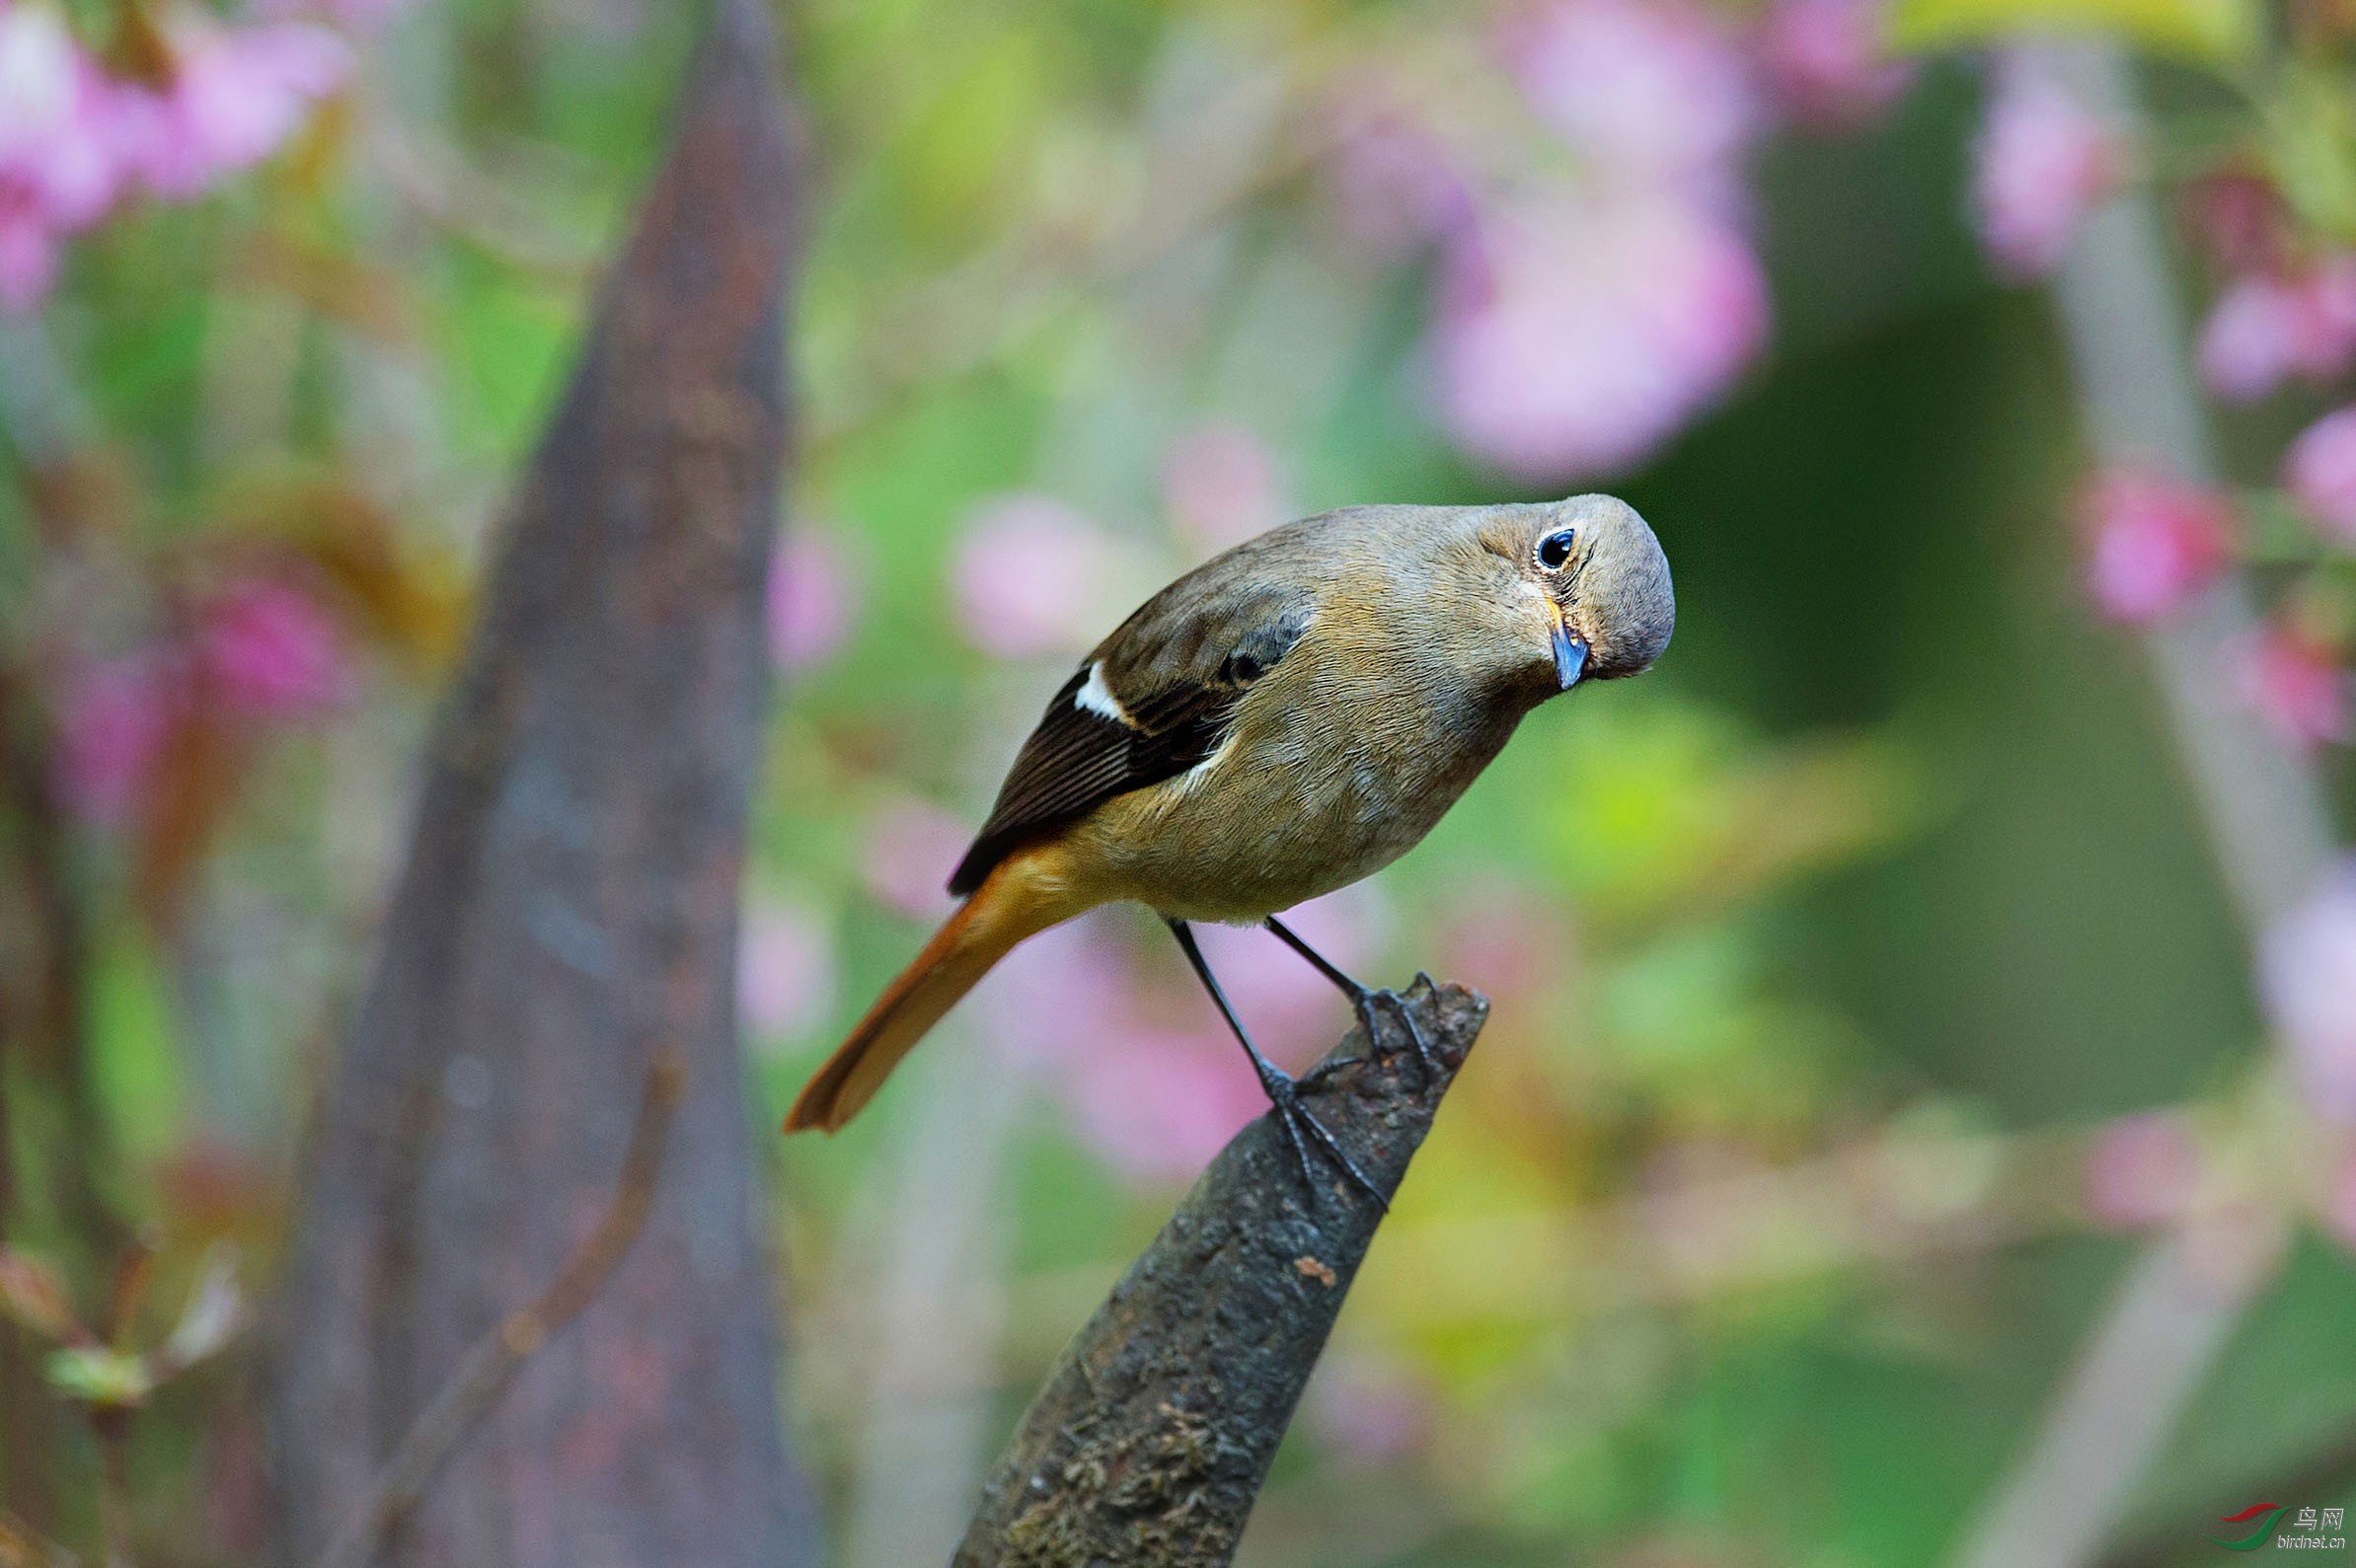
1280,721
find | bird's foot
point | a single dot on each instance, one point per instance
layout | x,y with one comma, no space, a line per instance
1314,1081
1300,1129
1366,1001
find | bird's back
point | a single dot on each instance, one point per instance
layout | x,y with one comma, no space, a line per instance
1336,759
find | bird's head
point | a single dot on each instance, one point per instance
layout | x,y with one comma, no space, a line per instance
1590,583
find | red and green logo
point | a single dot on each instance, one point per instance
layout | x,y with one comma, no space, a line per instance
2266,1515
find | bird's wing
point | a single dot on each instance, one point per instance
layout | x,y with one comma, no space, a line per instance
1150,702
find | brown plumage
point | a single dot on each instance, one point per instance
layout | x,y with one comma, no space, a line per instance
1280,721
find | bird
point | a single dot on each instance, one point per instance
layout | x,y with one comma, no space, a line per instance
1284,719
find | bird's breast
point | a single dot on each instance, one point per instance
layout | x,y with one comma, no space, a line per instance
1322,778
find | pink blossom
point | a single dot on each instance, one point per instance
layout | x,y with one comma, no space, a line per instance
1154,1082
1394,182
1177,1086
1031,577
2338,1208
1061,999
271,652
2307,979
114,721
2297,687
1572,340
1158,1104
71,137
41,71
813,600
1829,62
785,968
1221,485
28,253
236,95
907,853
2157,541
2267,328
2142,1170
1503,940
2240,217
2320,470
2042,161
2258,334
57,158
54,142
1650,93
1294,1013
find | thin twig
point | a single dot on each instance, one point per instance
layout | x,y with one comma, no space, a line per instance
2269,829
23,1546
928,1431
19,1441
111,1429
2327,1475
493,1361
41,998
62,929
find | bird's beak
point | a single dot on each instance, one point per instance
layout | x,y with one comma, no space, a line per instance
1570,653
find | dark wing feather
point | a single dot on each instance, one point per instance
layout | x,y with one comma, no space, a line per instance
1178,678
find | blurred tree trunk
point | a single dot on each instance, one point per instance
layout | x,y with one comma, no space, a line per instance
568,909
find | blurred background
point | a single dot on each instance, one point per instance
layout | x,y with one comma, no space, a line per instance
1915,1122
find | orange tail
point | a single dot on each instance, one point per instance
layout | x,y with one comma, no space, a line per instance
1009,906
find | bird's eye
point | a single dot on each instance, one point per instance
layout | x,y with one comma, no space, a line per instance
1555,549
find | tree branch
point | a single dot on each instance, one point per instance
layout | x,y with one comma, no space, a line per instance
493,1363
1149,1443
2270,831
2326,1477
58,930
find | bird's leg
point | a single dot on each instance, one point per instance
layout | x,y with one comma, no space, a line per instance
1361,997
1283,1095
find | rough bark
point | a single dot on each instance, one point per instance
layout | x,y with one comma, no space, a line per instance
566,912
1149,1443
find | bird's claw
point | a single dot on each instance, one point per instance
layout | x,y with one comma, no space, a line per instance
1284,1102
1315,1080
1365,1001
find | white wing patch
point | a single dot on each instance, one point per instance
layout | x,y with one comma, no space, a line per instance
1097,698
1187,783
